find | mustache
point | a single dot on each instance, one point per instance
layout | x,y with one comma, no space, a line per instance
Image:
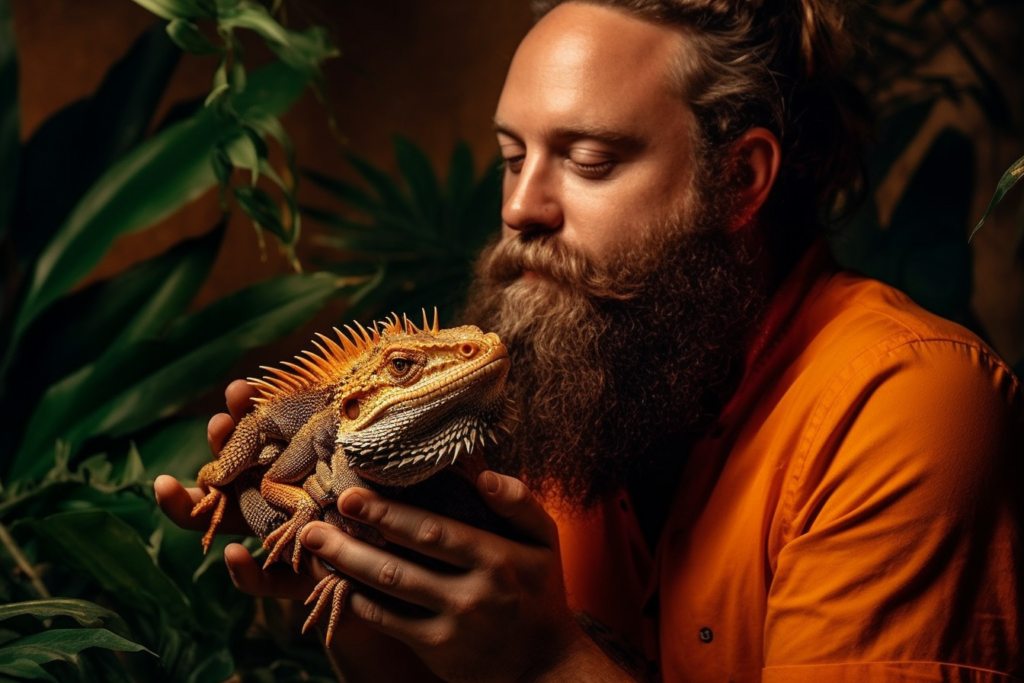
506,260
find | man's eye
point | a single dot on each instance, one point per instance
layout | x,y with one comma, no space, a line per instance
593,171
514,164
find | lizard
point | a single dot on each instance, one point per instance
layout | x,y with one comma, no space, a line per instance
384,408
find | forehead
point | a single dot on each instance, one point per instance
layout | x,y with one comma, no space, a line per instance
596,66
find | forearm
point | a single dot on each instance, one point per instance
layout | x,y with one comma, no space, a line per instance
582,662
360,654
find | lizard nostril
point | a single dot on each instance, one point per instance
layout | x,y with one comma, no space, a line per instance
351,408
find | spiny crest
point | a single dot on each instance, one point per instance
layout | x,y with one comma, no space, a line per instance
335,359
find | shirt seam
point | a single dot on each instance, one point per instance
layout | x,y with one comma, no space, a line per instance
843,378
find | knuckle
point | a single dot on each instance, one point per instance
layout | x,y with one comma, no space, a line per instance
390,574
372,612
429,532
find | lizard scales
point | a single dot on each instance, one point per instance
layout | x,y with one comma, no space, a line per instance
380,408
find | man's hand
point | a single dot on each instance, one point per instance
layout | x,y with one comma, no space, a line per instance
498,612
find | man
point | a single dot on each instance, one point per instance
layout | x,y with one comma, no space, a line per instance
760,468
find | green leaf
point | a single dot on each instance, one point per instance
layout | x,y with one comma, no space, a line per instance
23,657
262,208
10,124
86,613
153,181
126,391
178,9
391,196
113,555
419,175
178,448
1009,179
189,38
96,131
136,304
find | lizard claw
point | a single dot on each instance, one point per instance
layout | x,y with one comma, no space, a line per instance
218,501
287,533
332,588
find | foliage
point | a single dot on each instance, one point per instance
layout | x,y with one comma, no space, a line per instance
230,96
91,378
417,239
923,248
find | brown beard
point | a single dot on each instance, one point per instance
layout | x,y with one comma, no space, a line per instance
619,366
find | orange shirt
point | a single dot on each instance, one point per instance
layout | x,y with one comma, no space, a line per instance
854,516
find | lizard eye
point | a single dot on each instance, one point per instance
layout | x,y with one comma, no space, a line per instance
400,366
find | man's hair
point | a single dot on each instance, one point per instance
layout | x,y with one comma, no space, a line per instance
778,64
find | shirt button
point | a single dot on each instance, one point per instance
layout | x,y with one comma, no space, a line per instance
705,635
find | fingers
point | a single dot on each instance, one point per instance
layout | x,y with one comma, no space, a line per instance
278,581
512,500
177,502
430,534
239,396
376,567
218,430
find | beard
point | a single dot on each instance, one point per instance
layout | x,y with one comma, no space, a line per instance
618,365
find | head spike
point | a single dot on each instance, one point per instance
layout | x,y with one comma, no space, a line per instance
321,361
336,351
436,328
303,372
353,346
426,324
362,330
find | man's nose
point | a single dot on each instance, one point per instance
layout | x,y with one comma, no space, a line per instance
531,198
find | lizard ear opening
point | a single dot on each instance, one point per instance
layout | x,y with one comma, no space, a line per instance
351,408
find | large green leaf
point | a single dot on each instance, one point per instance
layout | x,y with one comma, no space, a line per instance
10,123
23,657
95,131
86,613
113,555
156,179
149,380
419,175
100,319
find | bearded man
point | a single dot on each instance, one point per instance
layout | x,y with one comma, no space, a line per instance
749,465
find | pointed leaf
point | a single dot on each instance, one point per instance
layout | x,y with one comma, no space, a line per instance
136,304
95,131
1009,179
153,181
388,191
84,612
418,174
152,379
61,644
113,555
188,37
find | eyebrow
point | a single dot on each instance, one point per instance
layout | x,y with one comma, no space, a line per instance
616,138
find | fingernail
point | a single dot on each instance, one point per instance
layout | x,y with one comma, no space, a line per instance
313,539
352,505
491,482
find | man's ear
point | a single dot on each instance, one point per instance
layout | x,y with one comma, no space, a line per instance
756,156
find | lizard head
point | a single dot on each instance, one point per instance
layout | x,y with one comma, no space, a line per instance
418,398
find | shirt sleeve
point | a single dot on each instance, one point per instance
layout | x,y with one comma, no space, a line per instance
899,554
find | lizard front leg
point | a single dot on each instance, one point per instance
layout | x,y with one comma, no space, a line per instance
313,445
247,447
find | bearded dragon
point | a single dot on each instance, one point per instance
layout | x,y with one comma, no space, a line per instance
381,408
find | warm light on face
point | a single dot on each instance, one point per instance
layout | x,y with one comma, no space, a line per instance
593,135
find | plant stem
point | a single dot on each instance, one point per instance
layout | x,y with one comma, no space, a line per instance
22,562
